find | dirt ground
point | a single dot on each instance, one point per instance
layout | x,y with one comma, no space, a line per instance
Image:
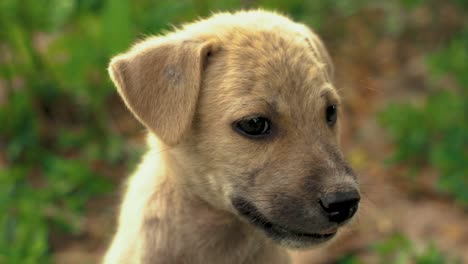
372,70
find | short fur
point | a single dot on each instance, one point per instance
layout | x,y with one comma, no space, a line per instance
188,88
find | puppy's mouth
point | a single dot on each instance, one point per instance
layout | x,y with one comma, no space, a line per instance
277,231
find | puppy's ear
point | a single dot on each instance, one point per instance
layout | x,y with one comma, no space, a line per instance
159,80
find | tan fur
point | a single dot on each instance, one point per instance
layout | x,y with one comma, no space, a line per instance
188,88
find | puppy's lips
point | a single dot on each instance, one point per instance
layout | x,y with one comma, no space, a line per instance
328,231
249,211
322,235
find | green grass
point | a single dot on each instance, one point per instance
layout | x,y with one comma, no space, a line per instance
435,134
398,249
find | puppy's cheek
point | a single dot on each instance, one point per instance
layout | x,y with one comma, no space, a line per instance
231,184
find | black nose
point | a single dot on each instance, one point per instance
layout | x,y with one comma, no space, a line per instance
340,206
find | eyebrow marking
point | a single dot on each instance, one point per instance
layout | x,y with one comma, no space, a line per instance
273,106
330,96
325,93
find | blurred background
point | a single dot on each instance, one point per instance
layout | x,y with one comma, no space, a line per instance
67,142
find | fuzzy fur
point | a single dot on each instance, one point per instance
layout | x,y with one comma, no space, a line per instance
188,87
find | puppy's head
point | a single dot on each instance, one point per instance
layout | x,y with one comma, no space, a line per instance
247,102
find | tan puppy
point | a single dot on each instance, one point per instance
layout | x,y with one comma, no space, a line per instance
244,159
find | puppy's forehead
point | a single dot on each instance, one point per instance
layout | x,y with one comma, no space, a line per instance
278,71
264,61
264,37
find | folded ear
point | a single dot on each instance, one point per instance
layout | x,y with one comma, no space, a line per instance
159,80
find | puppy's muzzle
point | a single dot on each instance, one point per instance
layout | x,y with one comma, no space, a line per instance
302,223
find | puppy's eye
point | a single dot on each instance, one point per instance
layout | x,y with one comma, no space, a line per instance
331,115
254,126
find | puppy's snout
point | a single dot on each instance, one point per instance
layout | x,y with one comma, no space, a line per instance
340,206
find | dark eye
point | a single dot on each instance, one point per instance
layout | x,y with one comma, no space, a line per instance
331,115
254,126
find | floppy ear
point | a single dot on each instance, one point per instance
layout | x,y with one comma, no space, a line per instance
159,80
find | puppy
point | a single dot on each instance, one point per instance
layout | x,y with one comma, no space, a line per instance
244,159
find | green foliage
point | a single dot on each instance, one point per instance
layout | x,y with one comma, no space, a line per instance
349,259
436,133
53,128
398,249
